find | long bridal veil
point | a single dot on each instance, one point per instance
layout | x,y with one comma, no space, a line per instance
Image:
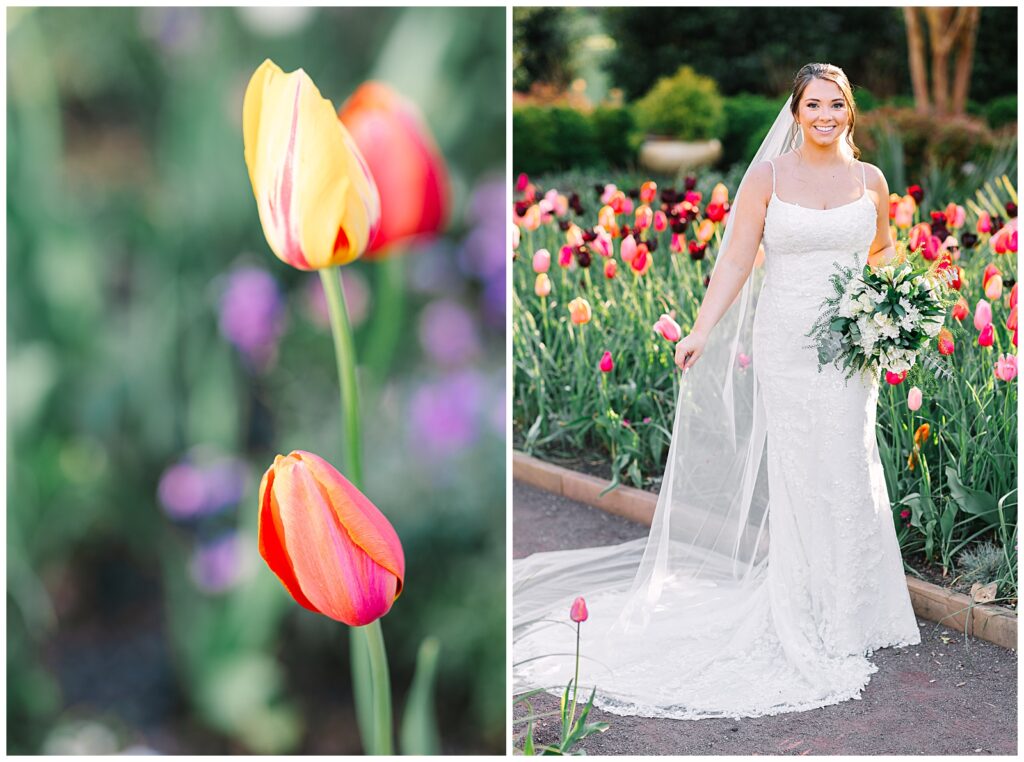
686,596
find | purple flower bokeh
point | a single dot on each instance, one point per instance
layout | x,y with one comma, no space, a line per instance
252,313
357,299
446,414
189,490
218,565
448,333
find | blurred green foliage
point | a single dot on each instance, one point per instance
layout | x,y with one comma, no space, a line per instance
128,206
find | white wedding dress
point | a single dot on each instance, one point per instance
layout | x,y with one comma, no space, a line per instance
824,586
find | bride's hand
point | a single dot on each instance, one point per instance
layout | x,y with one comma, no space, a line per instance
689,349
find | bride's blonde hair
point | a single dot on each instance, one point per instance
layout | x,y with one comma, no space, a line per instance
833,74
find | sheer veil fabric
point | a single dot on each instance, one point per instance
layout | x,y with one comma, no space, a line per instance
683,623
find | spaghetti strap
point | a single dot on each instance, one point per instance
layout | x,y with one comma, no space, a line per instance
864,177
772,165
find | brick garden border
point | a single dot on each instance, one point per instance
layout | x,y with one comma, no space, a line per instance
957,611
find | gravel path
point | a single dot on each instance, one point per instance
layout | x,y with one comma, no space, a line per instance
940,697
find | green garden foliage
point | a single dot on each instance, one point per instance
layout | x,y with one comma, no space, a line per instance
1001,111
555,138
748,118
542,48
684,106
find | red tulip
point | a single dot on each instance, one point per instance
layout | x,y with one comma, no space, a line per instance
607,364
961,309
328,544
1011,319
714,212
610,269
642,261
668,328
660,221
984,223
946,345
919,235
406,164
894,379
1013,296
987,336
578,612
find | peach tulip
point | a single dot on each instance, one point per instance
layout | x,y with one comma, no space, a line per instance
574,236
579,311
955,215
606,219
668,328
990,270
945,342
1006,367
1005,240
903,216
719,195
648,191
332,549
542,286
642,261
1011,319
405,161
706,231
531,220
541,261
1013,296
919,235
515,237
982,315
316,197
914,398
994,287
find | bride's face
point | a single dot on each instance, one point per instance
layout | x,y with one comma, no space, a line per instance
823,114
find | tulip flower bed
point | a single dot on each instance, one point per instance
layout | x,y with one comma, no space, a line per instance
605,280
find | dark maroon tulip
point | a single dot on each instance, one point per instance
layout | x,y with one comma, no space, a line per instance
1011,209
916,192
691,183
968,240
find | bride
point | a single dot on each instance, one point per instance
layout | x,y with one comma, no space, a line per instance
772,568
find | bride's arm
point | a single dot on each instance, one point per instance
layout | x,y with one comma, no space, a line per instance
883,250
733,265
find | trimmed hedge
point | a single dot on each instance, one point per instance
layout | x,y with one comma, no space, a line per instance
557,138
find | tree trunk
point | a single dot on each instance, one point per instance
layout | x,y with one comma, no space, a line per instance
965,61
946,28
918,69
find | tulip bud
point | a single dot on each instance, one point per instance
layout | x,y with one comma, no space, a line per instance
628,248
332,549
668,328
914,398
987,336
982,315
542,286
660,221
565,256
541,261
610,268
579,311
607,364
578,612
945,341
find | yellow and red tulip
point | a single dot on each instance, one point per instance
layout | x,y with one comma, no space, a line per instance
610,268
406,164
945,342
332,549
316,197
542,286
648,191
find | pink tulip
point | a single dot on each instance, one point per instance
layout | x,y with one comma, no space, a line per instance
994,287
660,221
982,315
627,205
603,242
607,364
565,256
541,261
668,328
984,223
903,215
628,248
1005,240
743,361
578,612
521,182
678,243
919,235
609,193
542,286
644,217
914,398
987,336
1006,367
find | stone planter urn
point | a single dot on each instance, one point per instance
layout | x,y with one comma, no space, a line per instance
669,156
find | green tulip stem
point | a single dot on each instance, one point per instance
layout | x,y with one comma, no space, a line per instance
575,680
370,680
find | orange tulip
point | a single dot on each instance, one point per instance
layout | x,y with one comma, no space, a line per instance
317,199
406,163
332,549
922,434
946,345
579,311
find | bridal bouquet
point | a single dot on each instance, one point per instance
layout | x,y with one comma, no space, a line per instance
882,319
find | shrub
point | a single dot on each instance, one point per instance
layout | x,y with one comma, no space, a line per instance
747,120
574,138
865,99
1001,111
533,140
614,129
686,106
